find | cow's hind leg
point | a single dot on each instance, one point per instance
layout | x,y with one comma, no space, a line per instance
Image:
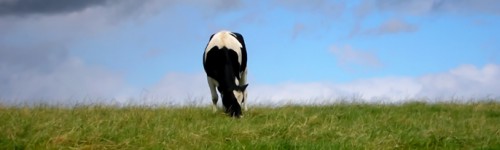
212,83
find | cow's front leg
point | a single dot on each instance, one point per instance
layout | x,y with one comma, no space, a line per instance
212,83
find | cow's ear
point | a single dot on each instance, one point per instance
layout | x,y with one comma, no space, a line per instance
243,87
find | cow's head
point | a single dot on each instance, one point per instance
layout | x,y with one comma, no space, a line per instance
240,93
234,107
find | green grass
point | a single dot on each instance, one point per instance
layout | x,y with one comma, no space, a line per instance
340,126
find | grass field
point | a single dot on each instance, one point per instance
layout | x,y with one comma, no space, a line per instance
341,126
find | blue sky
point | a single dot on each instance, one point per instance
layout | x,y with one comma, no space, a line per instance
299,50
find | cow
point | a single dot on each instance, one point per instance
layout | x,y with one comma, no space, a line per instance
225,63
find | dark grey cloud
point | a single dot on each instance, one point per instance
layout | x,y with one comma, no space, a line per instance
37,64
313,16
297,29
405,8
391,27
426,7
30,7
40,57
347,57
323,7
225,5
46,73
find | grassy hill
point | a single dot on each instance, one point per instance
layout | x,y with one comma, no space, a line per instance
340,126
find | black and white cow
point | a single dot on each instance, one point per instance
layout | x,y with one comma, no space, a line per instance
225,62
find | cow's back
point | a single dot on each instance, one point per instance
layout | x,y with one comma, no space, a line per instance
225,52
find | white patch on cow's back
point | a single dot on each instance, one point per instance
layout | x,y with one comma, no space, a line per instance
225,39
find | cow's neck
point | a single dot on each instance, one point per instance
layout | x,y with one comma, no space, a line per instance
229,82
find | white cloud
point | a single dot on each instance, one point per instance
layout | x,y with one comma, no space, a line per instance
179,89
289,93
388,88
464,83
366,90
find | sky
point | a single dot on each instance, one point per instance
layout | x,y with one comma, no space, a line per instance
299,51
